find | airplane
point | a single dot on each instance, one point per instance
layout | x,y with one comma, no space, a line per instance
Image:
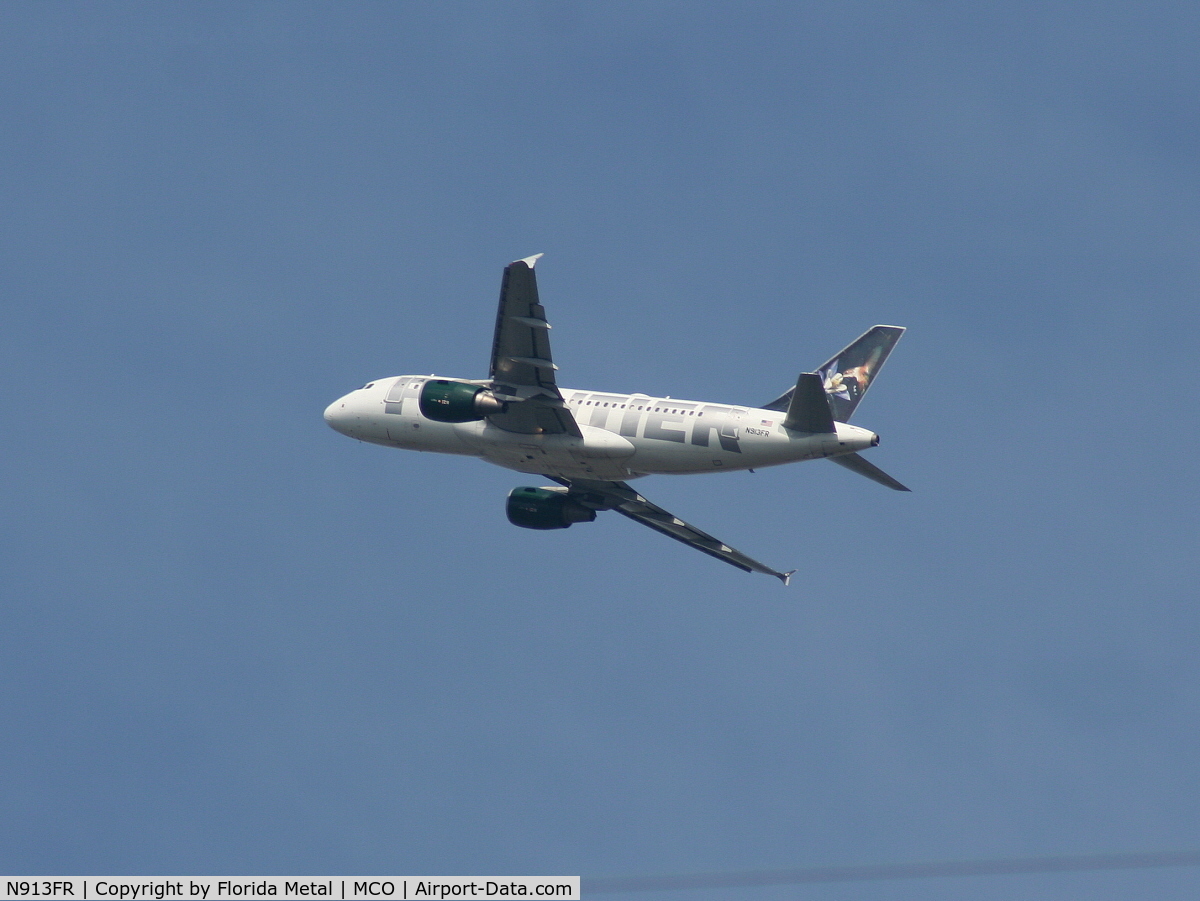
590,442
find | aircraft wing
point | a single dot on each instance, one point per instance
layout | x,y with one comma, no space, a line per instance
618,496
522,369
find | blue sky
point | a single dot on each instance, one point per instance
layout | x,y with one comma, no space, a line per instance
234,642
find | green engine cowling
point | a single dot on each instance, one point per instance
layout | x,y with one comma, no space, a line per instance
443,400
545,508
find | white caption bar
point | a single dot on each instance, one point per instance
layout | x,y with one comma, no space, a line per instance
285,888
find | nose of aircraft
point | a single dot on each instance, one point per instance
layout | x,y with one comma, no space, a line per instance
337,416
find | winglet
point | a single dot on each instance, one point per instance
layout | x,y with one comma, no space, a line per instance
530,261
785,578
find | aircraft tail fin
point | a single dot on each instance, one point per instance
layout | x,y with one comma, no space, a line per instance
848,374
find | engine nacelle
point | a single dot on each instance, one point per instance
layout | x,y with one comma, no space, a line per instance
445,401
545,508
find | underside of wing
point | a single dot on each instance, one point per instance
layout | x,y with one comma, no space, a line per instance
538,415
522,369
521,347
601,495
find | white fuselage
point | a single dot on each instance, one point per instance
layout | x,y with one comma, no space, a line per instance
624,435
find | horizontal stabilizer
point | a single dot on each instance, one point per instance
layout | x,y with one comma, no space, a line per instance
808,410
855,463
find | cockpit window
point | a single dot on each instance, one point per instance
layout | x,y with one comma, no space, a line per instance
366,386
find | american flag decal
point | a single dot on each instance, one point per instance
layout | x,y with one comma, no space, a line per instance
768,422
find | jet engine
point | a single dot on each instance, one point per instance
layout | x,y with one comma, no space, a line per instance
545,508
443,400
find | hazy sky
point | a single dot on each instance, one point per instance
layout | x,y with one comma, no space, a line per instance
234,642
